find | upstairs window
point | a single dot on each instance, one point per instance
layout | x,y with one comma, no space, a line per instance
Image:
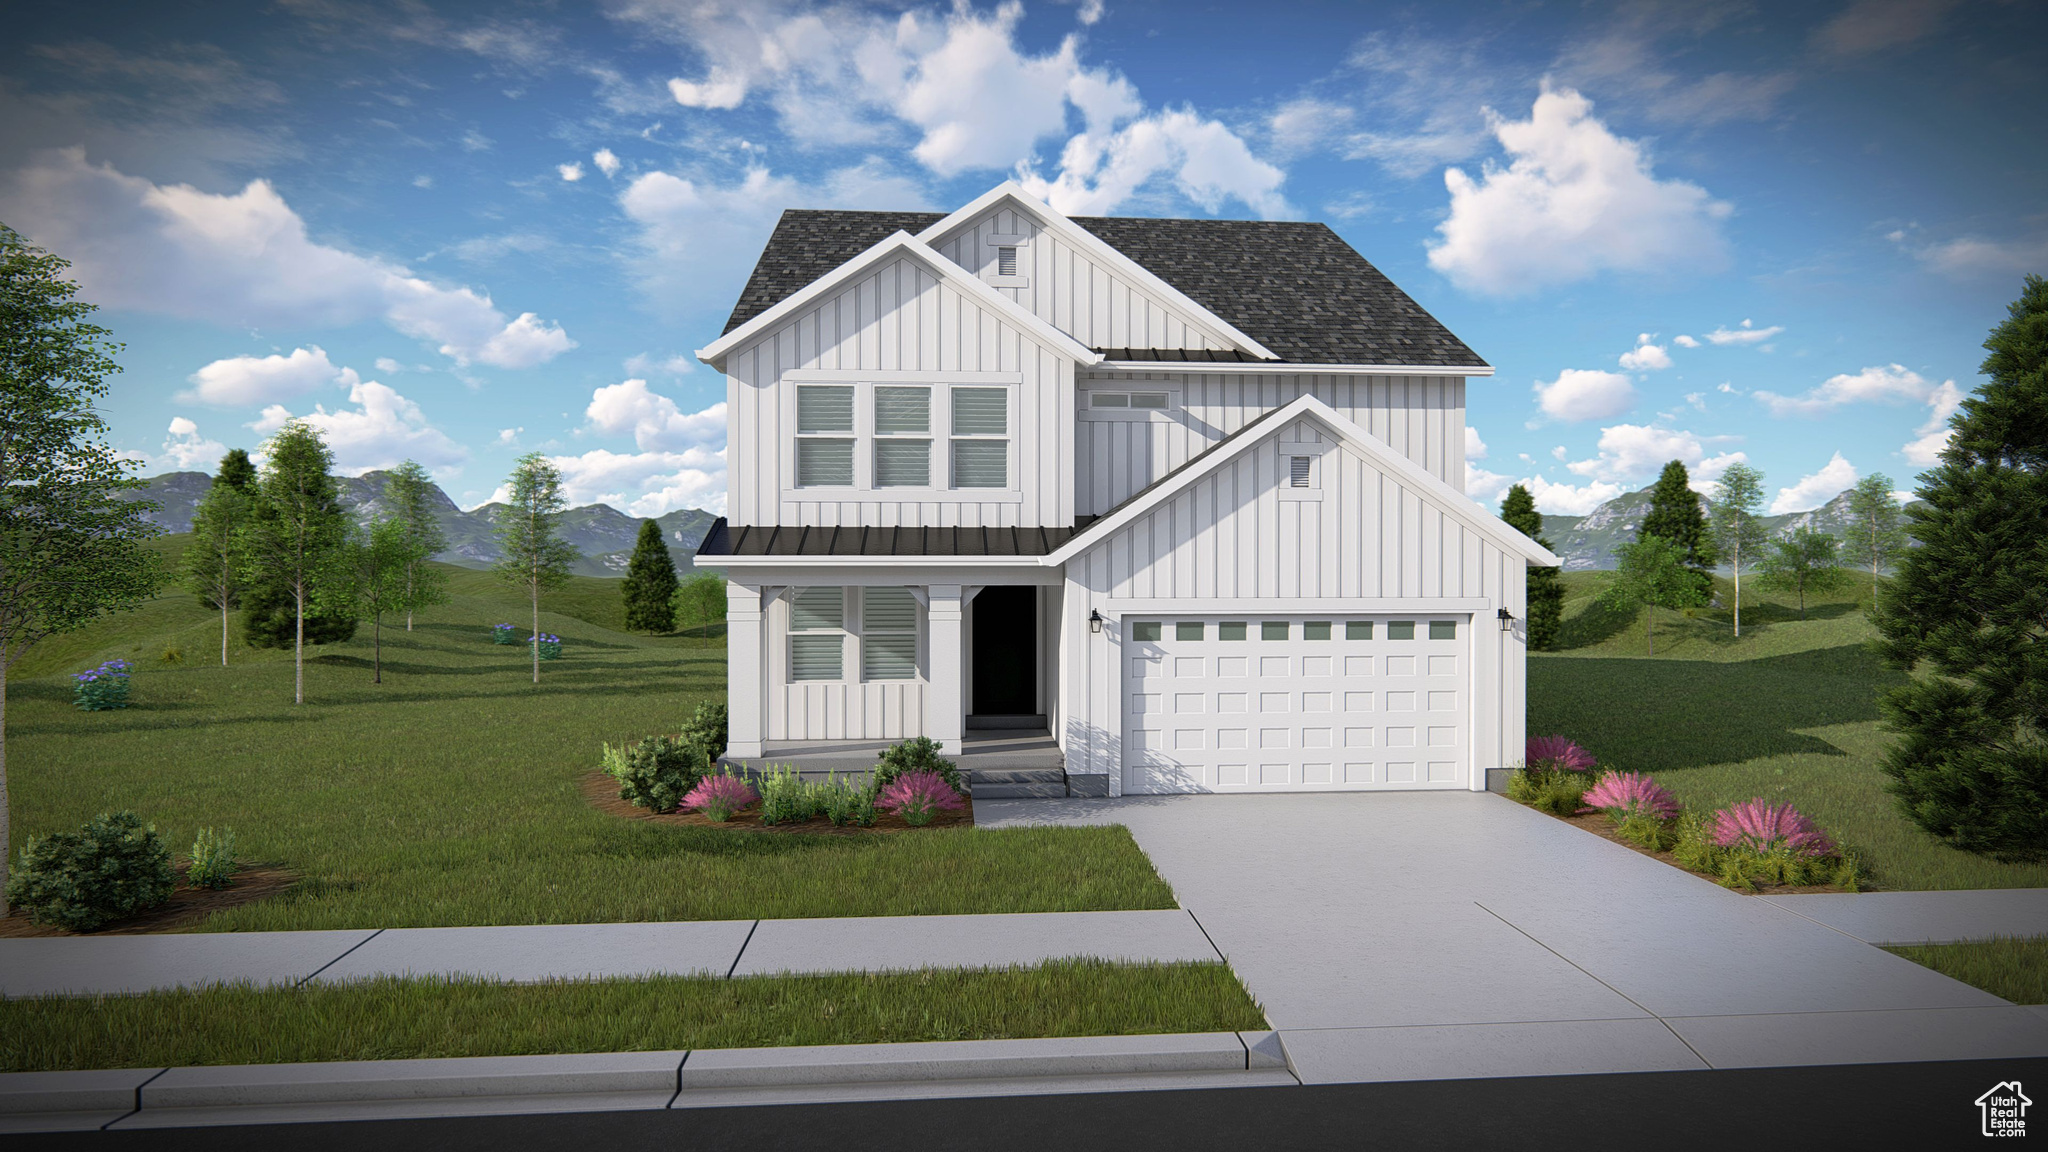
817,634
981,430
903,441
1121,405
824,435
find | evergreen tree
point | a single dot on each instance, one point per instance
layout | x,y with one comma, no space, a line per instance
1675,516
212,565
1738,535
1804,562
1546,589
409,492
292,544
1877,536
1653,575
237,472
535,556
1966,608
650,585
70,550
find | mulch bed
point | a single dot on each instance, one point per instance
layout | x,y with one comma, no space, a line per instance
187,907
1599,825
603,794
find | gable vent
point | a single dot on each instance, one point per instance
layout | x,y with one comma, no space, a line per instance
1298,471
1006,260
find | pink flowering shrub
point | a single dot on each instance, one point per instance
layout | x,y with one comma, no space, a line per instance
1632,792
1761,827
1555,753
918,796
720,796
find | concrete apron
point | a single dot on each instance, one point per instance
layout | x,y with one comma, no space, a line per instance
1408,936
388,1089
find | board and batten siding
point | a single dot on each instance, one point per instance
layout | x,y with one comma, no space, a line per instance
1070,289
1231,539
847,709
901,318
1421,417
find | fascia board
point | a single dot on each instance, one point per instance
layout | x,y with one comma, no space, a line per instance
1101,250
1291,368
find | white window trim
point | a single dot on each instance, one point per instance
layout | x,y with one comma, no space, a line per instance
847,604
989,274
863,487
1287,451
1168,415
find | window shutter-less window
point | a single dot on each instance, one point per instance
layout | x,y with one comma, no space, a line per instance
815,608
981,412
817,657
820,655
981,463
903,463
824,408
888,643
824,463
902,409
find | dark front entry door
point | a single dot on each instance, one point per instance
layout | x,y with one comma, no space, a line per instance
1006,651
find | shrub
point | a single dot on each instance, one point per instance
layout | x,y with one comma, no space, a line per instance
786,799
1631,793
718,797
504,634
103,688
172,654
918,796
706,730
1559,793
110,869
1643,829
1763,827
918,754
848,800
550,646
657,772
1556,754
213,860
1756,847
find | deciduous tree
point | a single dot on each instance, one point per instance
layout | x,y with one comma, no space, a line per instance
409,494
1805,562
212,567
1546,590
700,600
1675,516
70,551
372,577
1653,575
1878,534
535,556
650,584
295,535
1967,611
1738,535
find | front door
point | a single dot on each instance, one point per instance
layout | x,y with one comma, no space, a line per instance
1006,651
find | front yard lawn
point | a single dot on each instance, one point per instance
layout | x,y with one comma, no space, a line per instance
448,795
2012,968
391,1019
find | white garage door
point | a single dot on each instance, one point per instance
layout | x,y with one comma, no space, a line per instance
1268,704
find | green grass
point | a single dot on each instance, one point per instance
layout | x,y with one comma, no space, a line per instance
2011,968
1788,712
448,794
393,1019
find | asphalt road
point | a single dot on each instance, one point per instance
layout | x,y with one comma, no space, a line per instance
1879,1106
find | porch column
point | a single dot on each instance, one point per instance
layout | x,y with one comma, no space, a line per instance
746,683
947,720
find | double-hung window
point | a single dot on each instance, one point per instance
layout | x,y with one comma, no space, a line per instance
981,431
817,634
824,435
888,634
903,436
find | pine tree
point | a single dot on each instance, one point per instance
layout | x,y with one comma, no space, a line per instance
534,556
237,472
409,493
1675,517
293,541
1877,535
1966,607
1546,590
1738,536
650,585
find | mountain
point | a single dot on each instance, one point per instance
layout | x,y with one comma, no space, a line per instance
1588,542
602,533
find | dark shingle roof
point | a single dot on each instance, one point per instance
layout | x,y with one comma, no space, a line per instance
1299,289
745,540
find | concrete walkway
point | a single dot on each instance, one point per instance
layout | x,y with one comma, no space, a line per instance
1442,935
526,954
1926,917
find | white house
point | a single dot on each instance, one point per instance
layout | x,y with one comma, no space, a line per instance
1182,497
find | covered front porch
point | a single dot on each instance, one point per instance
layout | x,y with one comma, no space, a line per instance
998,762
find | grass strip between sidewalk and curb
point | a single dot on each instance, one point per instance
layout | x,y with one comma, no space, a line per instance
398,1018
2011,968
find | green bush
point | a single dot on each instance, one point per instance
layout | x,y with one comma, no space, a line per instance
1558,793
112,868
706,730
657,772
786,799
848,800
1644,830
213,860
918,754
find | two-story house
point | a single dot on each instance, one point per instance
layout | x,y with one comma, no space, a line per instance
1183,495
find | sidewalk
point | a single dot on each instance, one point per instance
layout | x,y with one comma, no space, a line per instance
86,965
1925,917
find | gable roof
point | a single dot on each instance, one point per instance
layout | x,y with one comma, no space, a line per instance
1296,288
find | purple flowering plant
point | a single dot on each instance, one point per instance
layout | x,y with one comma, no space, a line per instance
103,688
918,796
1627,793
718,797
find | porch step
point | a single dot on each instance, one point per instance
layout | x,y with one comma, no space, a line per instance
1017,783
1033,791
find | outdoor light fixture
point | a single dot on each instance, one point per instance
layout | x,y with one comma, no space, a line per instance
1094,621
1507,620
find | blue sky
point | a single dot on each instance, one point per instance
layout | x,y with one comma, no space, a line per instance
456,233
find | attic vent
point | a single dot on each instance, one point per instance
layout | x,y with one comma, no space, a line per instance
1297,471
1006,260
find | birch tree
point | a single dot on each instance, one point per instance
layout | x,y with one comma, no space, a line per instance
296,531
1737,531
1878,534
213,561
409,493
373,563
529,534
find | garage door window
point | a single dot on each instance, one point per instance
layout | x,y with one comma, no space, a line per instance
1230,630
1358,629
1443,629
1316,630
1145,630
1188,630
1273,630
1400,629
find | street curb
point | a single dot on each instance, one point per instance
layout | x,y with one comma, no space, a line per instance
288,1093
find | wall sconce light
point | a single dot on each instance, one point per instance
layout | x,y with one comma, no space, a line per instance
1507,620
1094,622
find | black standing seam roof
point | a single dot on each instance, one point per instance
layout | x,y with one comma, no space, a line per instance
1297,288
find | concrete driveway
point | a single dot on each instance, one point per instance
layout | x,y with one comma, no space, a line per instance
1432,935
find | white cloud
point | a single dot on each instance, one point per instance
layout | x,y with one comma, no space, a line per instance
656,423
1423,101
423,181
1744,335
1585,394
1971,257
1645,356
245,259
607,162
510,435
241,380
1868,26
1091,11
720,89
1205,162
1629,452
1299,126
1685,341
1485,488
642,483
1560,453
387,365
1575,200
647,364
1569,500
1934,435
572,171
1885,384
185,450
1475,448
1836,477
383,431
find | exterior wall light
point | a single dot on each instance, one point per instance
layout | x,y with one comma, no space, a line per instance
1507,620
1095,622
